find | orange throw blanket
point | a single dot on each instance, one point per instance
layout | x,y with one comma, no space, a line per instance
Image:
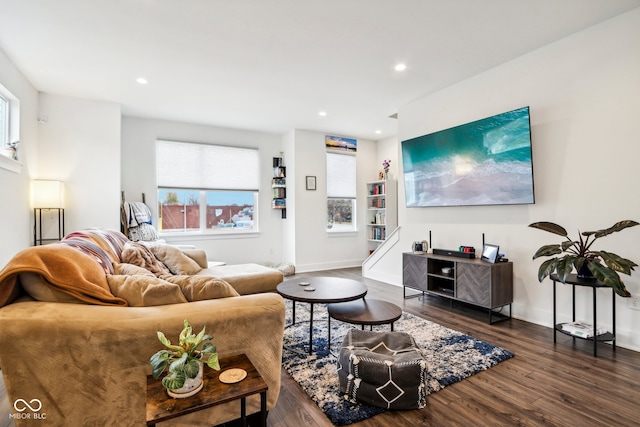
65,268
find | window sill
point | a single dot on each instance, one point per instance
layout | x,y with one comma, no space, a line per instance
10,164
195,236
342,233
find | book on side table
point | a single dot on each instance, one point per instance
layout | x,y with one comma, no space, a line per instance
582,329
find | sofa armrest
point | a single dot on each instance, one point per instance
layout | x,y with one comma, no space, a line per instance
88,364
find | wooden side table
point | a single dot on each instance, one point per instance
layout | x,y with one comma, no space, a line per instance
363,312
162,407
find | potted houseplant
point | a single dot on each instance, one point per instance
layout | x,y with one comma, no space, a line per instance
184,361
578,254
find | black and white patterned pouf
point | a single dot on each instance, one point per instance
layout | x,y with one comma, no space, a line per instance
383,369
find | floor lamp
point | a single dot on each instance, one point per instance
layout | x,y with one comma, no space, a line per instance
47,195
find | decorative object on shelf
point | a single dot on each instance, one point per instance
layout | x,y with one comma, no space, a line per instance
10,150
47,195
184,361
420,247
385,165
311,182
578,255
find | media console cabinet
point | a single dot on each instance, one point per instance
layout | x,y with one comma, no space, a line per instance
472,281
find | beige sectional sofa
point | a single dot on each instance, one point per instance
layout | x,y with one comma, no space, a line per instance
76,334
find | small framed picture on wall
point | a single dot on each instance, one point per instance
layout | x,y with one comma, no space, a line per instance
311,182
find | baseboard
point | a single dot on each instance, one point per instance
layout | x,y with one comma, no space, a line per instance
308,268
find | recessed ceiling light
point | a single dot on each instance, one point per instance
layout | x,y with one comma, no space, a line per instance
322,113
378,132
400,67
142,80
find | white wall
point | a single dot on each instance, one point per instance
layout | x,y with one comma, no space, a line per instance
139,176
80,145
15,215
315,248
584,94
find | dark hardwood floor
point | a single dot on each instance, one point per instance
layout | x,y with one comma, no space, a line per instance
545,384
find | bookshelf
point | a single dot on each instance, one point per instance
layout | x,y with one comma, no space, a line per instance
279,186
382,211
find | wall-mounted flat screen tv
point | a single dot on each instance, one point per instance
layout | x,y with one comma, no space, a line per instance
486,162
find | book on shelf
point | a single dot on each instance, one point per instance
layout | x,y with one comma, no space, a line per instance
377,189
582,329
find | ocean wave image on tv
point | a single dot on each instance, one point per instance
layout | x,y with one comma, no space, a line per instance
486,162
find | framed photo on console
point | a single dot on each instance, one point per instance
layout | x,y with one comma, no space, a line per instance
490,253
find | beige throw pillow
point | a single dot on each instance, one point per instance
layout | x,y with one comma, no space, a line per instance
41,290
198,288
145,290
130,269
175,259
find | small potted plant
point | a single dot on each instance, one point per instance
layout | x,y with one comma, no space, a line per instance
184,361
578,254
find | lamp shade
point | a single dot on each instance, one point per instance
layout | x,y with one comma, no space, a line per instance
47,194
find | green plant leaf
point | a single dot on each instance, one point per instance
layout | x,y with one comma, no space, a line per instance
550,227
213,362
178,364
191,368
617,263
167,343
208,348
548,250
174,380
186,330
618,226
568,244
564,267
546,268
159,362
609,278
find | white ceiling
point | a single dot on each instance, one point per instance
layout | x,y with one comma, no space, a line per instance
272,65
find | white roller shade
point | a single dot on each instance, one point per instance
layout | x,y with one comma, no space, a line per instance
206,167
341,176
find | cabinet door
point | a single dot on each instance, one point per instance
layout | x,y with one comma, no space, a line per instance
473,283
414,271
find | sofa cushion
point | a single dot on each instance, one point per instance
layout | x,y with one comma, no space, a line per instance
40,290
246,278
198,255
145,290
175,259
198,288
130,269
140,255
142,290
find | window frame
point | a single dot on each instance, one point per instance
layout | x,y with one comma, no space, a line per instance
11,133
203,189
352,198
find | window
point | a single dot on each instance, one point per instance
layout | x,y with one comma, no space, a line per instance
341,192
206,188
9,130
4,121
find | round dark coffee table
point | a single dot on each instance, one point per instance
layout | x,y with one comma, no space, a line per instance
364,312
326,290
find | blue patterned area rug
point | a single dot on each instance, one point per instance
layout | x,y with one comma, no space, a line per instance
451,356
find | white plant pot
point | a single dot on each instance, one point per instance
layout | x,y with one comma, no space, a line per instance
191,385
